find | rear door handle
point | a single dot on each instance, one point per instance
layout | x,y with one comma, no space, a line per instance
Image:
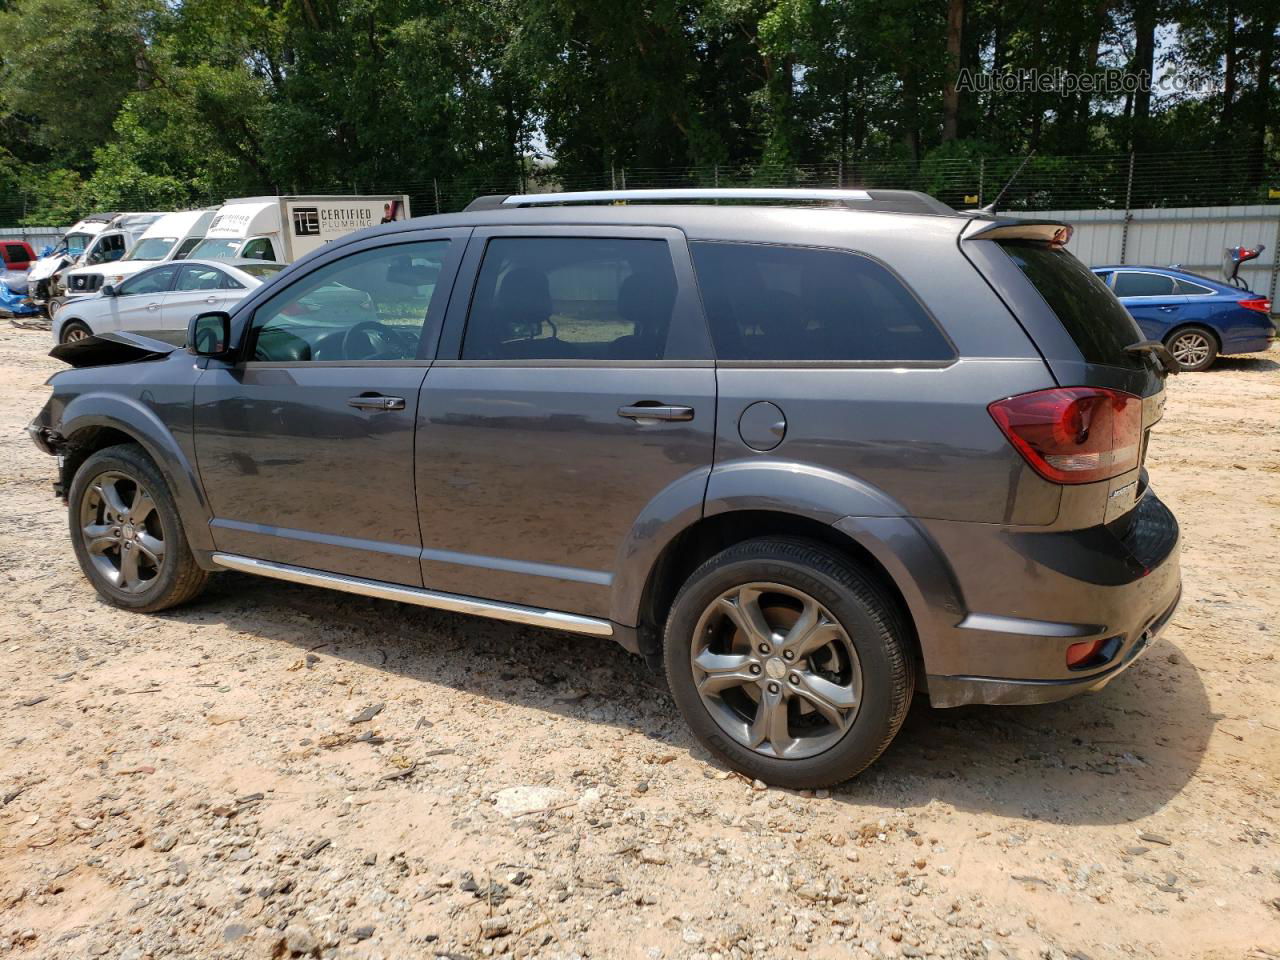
648,410
153,306
1167,309
376,402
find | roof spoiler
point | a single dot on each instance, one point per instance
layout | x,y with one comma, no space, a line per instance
1048,231
898,201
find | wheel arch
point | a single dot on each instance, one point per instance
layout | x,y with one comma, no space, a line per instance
892,550
1198,325
92,423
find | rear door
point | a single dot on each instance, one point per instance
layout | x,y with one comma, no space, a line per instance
574,389
199,288
1082,331
1153,300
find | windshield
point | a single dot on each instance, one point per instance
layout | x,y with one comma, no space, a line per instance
74,243
152,248
261,270
216,249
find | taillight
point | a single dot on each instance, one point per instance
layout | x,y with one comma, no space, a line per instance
1073,434
1261,304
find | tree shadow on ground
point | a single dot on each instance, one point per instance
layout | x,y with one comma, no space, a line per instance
1109,757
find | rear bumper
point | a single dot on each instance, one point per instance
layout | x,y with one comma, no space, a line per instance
958,691
1088,585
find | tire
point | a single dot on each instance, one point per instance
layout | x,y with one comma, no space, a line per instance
1195,348
139,559
74,330
863,675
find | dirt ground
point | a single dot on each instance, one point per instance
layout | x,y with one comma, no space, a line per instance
192,784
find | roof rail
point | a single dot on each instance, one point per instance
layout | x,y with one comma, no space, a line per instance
906,201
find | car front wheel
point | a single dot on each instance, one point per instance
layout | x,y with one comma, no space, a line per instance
74,331
127,535
788,662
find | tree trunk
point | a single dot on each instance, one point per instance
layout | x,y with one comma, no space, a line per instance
1229,73
1144,62
951,95
1262,102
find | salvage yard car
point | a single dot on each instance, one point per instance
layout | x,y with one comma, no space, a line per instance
1198,319
161,298
804,451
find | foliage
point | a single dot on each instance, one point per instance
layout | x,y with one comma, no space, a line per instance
160,103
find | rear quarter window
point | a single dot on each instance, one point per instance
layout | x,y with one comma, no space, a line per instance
1096,321
782,303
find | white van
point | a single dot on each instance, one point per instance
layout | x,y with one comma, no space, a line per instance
171,237
286,228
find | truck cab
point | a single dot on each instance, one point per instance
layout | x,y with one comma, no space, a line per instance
171,237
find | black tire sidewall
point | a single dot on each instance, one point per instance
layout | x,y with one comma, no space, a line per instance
132,462
73,325
872,631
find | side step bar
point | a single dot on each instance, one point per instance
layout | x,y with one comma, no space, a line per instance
493,609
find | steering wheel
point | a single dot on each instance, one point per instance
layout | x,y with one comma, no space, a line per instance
395,345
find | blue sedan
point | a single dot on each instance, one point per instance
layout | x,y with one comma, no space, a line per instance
1198,319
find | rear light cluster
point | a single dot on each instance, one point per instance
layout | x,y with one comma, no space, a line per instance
1261,304
1074,434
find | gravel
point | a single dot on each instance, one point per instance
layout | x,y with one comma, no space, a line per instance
526,794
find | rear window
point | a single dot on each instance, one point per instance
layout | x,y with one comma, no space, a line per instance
802,303
1092,316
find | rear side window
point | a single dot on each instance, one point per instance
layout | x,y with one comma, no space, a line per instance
1090,312
572,298
796,303
15,253
1189,289
1132,284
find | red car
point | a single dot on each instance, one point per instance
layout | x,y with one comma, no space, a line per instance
16,254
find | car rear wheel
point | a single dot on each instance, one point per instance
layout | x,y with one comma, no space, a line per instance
74,331
1195,348
788,663
127,535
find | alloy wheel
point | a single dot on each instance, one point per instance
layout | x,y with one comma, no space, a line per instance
776,671
1191,348
75,334
121,531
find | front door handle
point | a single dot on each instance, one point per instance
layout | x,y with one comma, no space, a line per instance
376,402
650,410
153,306
1167,309
210,299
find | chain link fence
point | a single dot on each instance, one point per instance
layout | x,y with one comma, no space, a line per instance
1106,181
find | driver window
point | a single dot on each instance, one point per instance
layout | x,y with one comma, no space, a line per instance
366,306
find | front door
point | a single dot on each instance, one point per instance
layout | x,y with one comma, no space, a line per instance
573,387
138,303
305,441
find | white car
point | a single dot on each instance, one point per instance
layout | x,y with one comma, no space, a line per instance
164,297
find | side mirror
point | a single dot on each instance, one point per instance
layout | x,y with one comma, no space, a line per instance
108,290
209,334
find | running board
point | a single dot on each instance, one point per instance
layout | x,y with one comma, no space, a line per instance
493,609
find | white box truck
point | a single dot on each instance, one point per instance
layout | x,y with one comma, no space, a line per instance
287,228
172,237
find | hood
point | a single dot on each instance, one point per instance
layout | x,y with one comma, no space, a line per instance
46,267
118,347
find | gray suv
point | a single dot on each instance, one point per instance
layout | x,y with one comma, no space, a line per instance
806,452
